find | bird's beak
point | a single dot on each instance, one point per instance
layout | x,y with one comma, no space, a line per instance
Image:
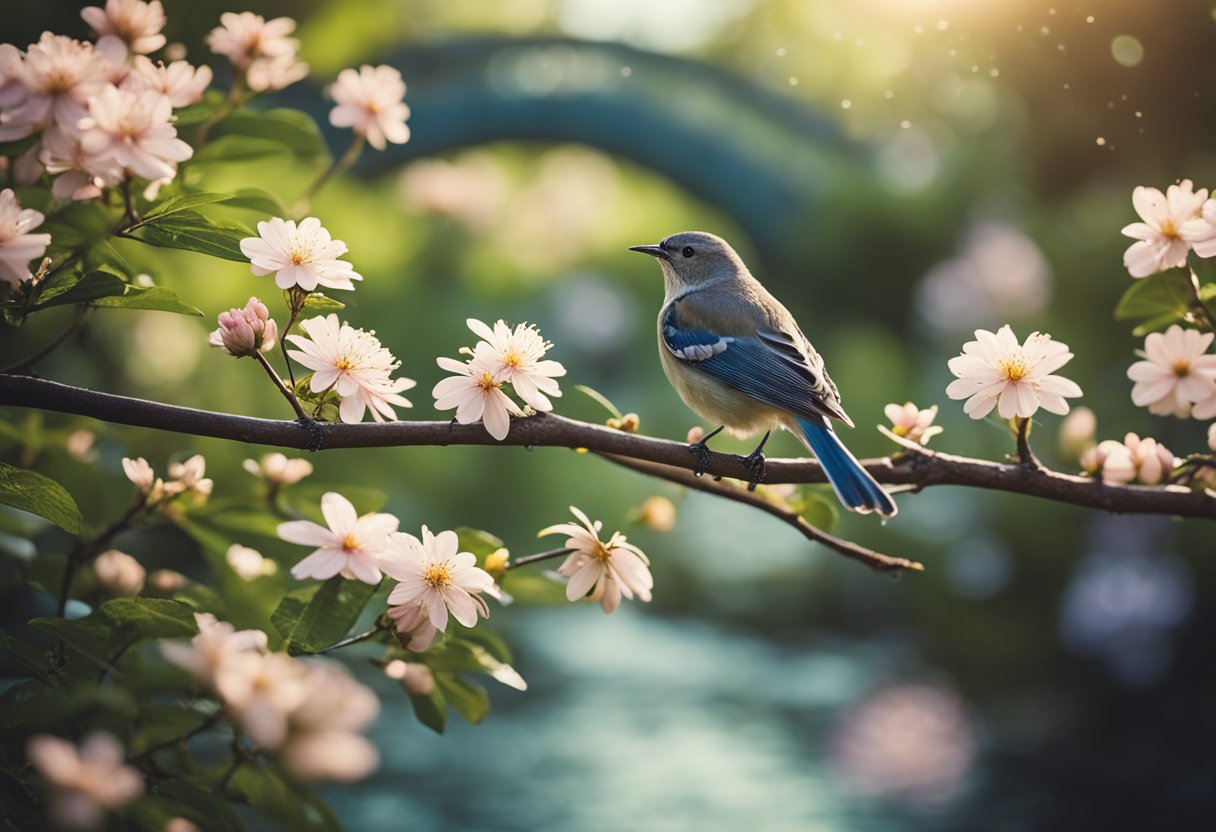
653,251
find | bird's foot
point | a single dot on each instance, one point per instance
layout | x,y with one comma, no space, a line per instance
316,431
755,463
701,448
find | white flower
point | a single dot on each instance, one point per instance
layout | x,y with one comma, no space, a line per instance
84,783
140,473
217,651
260,48
1161,244
245,331
351,546
56,78
996,371
81,445
130,134
519,355
606,570
180,82
135,23
371,102
17,245
476,393
249,563
188,477
60,153
1178,375
1201,232
352,363
260,692
278,469
417,679
323,742
303,255
912,423
436,578
119,574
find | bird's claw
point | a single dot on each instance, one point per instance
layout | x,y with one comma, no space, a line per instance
755,463
703,458
316,431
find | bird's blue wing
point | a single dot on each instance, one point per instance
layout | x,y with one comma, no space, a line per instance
770,367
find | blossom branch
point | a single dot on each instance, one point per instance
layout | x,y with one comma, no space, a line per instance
540,556
917,467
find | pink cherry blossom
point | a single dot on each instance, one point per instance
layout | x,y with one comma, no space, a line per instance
1161,244
370,101
1178,375
246,331
260,48
17,245
182,83
129,134
55,80
351,546
435,578
601,571
134,23
997,371
301,255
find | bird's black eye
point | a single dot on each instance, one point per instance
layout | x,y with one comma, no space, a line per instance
687,252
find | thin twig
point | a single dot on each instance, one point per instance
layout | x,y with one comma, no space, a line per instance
24,366
875,560
85,549
278,383
381,626
549,555
198,729
342,163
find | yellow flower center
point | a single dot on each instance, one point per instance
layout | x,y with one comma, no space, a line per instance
1014,368
437,576
486,382
1182,368
350,543
512,360
1168,229
344,363
601,553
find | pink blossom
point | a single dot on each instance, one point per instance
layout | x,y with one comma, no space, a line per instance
182,83
246,331
56,78
259,48
1161,244
435,577
348,545
131,134
17,245
85,782
134,23
370,101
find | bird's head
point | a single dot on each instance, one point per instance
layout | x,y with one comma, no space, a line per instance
691,258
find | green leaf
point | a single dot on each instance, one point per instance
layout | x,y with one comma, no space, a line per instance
293,129
1203,267
480,543
256,199
38,495
319,303
237,149
33,662
315,617
468,700
431,709
816,508
191,231
93,286
178,204
1168,293
198,112
156,298
455,654
143,618
1155,324
103,253
295,807
17,147
599,398
88,637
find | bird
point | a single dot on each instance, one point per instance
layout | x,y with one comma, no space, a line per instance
737,358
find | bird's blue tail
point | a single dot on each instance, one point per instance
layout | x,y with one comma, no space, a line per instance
853,484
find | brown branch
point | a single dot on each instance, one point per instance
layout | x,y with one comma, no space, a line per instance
875,560
917,467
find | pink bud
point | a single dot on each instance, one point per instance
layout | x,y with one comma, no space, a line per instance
246,331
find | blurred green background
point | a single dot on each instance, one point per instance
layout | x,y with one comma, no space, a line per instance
899,172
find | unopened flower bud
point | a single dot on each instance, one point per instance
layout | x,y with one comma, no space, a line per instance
658,513
417,679
118,573
80,445
167,581
1077,433
497,562
278,469
245,331
695,434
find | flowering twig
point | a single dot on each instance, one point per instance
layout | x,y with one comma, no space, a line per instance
918,467
539,556
342,163
875,560
282,388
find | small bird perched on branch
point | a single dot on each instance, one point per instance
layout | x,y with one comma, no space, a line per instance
737,357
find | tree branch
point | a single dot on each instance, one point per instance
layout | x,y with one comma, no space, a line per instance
917,466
